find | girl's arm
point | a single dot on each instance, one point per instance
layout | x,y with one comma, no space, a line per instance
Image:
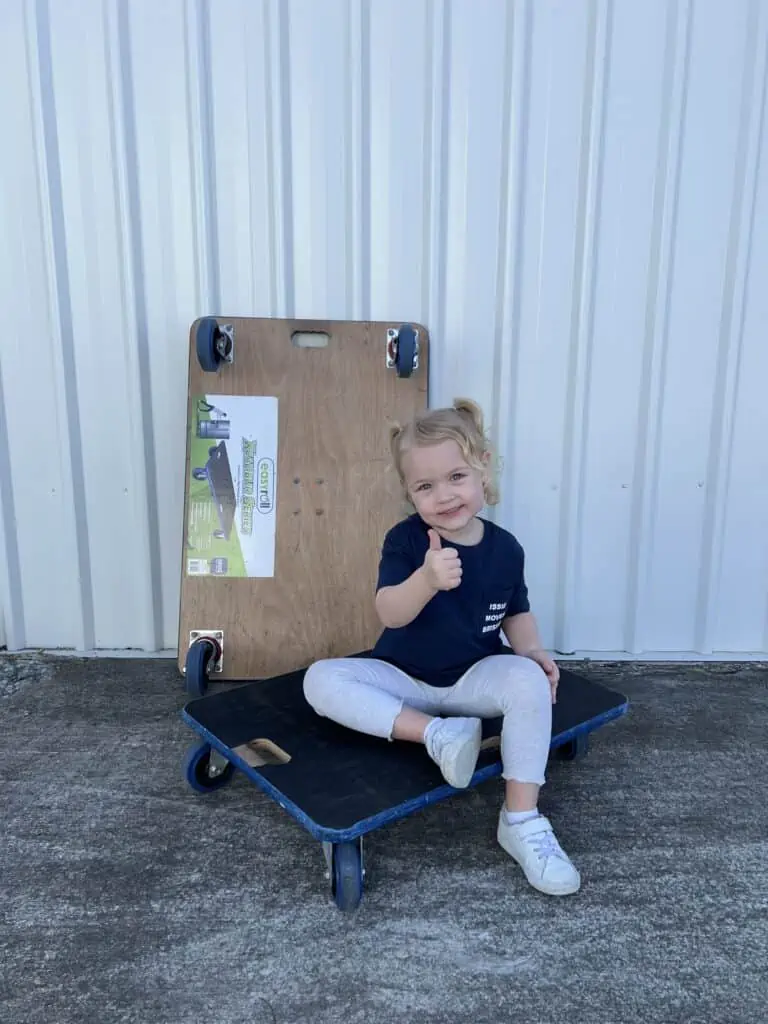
523,635
399,605
522,632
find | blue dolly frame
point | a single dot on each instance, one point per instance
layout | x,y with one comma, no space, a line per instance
339,784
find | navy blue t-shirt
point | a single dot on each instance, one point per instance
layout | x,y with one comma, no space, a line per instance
457,627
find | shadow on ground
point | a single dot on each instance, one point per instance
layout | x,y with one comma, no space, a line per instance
128,897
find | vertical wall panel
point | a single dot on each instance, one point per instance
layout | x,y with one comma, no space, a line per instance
572,197
552,165
173,248
709,173
247,149
638,49
105,357
321,141
401,108
46,590
738,597
477,140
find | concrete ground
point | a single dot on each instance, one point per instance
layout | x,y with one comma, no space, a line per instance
127,897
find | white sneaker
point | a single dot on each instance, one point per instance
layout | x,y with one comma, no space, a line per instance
453,744
534,846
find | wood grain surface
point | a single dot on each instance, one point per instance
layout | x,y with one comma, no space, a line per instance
336,495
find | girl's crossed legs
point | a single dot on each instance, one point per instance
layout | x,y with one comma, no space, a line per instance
374,697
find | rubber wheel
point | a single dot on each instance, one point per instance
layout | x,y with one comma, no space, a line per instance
199,473
574,749
196,668
406,351
205,338
196,766
347,876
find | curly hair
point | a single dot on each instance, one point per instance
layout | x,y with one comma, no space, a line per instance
463,423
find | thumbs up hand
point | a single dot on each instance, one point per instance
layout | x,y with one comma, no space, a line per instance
442,566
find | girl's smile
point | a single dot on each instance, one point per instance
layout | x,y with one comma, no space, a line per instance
445,491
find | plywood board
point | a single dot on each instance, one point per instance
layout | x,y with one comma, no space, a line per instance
334,499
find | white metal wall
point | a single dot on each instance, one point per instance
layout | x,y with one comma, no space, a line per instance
572,195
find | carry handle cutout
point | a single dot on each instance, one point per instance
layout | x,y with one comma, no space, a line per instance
258,753
310,339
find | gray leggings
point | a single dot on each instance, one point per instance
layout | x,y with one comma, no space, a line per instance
367,695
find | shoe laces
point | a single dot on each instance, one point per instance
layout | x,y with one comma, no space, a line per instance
545,845
439,739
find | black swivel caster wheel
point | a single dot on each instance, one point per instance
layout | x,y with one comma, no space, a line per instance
196,666
214,346
346,874
205,773
405,361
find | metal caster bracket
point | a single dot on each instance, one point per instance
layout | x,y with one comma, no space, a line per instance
216,663
392,343
216,764
225,342
328,854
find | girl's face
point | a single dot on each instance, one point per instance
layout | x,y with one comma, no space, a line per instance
445,491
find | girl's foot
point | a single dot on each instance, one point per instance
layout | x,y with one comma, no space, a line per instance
534,846
453,744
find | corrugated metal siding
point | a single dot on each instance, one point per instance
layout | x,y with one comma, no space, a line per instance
573,197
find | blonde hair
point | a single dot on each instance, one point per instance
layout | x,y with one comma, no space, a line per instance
462,423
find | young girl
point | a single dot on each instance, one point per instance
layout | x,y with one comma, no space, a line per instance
449,581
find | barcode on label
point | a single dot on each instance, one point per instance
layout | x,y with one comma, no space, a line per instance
197,566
